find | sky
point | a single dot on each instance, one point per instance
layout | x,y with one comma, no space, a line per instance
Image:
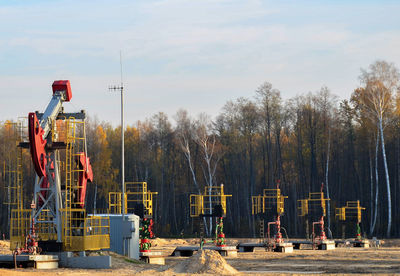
193,55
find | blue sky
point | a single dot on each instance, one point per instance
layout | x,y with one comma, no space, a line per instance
194,55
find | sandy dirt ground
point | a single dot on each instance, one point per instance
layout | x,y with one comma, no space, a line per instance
343,260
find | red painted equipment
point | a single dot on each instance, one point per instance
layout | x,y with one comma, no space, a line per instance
38,152
146,233
63,85
37,145
220,238
59,192
31,243
39,134
322,235
278,237
84,176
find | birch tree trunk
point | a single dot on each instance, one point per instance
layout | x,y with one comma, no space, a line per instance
376,181
327,180
186,150
389,200
371,194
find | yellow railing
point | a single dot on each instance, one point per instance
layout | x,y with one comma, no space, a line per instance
352,210
67,215
86,232
196,204
14,179
340,213
12,170
114,202
135,193
303,207
204,204
314,201
257,205
45,228
19,227
79,231
270,200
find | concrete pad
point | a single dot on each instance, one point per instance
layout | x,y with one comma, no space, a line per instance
187,251
68,260
249,247
52,264
39,261
327,245
298,244
363,244
152,257
229,253
284,247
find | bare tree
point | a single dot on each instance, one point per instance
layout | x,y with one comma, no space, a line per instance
185,133
270,100
203,135
326,102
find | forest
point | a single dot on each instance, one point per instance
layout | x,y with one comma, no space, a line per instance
352,146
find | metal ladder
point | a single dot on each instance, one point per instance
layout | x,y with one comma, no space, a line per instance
262,230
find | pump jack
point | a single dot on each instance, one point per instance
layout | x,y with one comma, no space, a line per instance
271,204
57,219
315,207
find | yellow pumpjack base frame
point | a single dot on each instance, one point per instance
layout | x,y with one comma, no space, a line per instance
269,200
135,192
352,210
314,200
203,204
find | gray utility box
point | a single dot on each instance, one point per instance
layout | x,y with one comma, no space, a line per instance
124,235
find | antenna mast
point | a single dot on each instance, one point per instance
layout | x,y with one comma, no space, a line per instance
120,88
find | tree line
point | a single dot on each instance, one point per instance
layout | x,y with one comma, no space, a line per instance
352,146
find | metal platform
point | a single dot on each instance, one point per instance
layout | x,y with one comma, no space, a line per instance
36,261
286,247
354,243
187,251
283,247
298,244
326,245
68,259
152,257
322,245
362,243
249,247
